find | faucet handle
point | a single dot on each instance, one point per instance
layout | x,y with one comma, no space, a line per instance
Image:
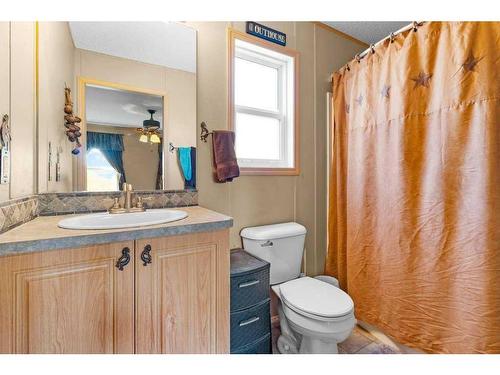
139,203
116,203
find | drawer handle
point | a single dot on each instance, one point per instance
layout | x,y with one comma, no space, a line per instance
146,255
124,259
249,321
248,283
267,244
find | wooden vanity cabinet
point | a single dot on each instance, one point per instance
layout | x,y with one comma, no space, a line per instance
67,301
182,296
171,296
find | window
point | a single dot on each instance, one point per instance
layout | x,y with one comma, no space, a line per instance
101,176
262,104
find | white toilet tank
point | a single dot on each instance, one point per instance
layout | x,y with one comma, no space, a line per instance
282,245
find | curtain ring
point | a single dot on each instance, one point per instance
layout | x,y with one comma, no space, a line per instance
415,24
392,37
358,58
372,48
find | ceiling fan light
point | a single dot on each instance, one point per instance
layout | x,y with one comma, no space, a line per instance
143,138
155,139
151,122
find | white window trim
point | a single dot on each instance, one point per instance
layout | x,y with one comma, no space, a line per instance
287,104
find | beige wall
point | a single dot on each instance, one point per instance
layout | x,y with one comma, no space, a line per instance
181,115
22,110
140,161
179,88
4,87
258,200
55,70
18,100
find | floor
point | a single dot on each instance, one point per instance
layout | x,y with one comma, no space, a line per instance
360,342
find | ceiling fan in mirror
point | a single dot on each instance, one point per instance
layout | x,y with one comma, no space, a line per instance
149,131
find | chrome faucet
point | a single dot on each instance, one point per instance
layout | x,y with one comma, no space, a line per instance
127,207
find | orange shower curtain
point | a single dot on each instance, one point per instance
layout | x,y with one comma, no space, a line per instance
414,216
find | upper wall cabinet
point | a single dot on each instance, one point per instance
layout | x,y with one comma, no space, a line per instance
133,85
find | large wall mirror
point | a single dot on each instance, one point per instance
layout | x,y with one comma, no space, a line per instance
133,84
124,137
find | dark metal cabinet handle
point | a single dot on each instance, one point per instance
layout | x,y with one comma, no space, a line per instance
146,256
124,259
248,283
249,321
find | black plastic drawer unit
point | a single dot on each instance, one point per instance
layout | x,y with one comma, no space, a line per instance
258,347
250,311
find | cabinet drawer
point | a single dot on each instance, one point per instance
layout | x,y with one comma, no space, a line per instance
249,289
261,346
249,325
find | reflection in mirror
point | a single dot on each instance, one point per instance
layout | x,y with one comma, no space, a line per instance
124,139
134,86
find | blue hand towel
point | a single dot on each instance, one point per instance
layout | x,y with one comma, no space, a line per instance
184,154
191,184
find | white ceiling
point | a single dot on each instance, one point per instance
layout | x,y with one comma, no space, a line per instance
168,44
106,106
369,32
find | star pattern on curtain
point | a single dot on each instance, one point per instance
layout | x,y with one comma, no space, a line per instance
461,97
386,91
471,62
423,79
359,100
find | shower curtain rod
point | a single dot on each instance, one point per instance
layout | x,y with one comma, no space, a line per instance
412,25
391,36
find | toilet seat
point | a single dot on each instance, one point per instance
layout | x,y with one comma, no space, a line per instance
316,299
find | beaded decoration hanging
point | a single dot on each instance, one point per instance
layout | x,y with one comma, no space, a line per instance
70,121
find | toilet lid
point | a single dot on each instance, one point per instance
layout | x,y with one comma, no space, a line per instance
316,297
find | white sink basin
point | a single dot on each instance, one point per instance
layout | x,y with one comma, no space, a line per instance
105,220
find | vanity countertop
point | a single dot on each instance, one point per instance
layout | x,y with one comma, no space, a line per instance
43,233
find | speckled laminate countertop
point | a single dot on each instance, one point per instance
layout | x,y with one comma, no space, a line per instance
43,233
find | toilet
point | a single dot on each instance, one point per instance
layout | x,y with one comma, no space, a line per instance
315,315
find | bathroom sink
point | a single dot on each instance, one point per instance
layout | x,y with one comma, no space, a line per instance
105,220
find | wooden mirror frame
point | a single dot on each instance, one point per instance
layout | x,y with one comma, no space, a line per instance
80,161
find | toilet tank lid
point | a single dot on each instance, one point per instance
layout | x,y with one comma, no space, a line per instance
273,231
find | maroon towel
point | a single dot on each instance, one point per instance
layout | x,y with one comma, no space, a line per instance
225,163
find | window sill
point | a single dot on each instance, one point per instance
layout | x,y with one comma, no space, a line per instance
269,171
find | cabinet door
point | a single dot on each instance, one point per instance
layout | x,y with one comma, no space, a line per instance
182,296
67,301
